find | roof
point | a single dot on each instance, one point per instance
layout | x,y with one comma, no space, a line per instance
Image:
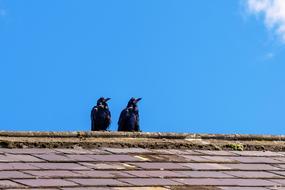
140,161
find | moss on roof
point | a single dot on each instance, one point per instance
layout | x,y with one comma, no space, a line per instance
143,140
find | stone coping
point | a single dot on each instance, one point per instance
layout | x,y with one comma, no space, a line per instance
153,135
87,140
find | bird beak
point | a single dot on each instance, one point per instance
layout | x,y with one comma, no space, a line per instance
107,99
137,100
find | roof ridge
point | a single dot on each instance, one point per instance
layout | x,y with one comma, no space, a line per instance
155,135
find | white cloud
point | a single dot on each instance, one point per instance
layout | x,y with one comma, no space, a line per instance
273,12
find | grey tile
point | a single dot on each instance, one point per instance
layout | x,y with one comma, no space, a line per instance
80,157
8,183
255,167
80,151
107,166
59,166
99,182
225,182
128,150
115,158
205,166
243,188
219,159
52,173
256,153
54,157
18,158
103,174
159,165
255,174
251,159
45,182
216,153
27,151
156,173
13,175
17,166
175,151
205,174
149,181
86,188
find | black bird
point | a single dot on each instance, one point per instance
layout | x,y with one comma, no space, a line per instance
129,118
100,115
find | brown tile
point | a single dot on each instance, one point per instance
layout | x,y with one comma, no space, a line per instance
99,182
159,165
59,166
205,174
8,183
53,173
247,174
156,173
205,166
13,175
225,182
149,181
45,182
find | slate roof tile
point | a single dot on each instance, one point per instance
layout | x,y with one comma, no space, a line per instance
140,169
45,182
99,182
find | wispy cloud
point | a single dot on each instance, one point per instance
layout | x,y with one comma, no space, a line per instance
273,12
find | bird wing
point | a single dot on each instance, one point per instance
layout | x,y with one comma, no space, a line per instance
93,114
137,124
122,119
108,118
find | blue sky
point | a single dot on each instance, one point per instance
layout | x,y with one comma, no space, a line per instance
201,66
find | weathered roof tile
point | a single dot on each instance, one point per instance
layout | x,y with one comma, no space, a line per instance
45,182
59,166
149,181
13,175
99,182
150,168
